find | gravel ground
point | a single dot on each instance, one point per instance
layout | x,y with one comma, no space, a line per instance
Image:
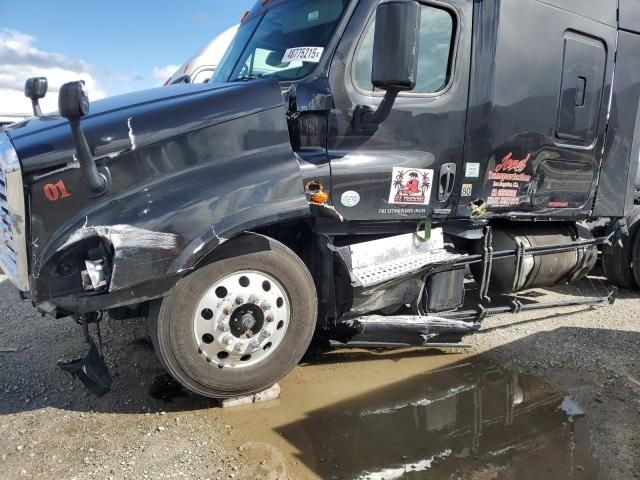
50,427
592,353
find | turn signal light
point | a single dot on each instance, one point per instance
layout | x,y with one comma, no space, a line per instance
320,197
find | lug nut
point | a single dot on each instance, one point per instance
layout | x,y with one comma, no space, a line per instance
224,327
253,299
255,343
270,317
265,306
226,309
265,334
228,340
239,300
239,347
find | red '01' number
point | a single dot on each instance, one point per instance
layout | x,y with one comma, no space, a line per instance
55,191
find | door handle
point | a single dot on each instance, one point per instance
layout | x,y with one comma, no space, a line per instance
447,181
581,90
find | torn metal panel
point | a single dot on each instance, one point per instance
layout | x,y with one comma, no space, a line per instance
138,253
132,137
402,330
392,295
326,210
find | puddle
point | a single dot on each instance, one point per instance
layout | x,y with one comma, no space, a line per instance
383,418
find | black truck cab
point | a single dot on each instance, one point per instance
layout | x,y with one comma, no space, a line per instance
346,163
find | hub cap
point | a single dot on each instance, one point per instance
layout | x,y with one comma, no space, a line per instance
241,319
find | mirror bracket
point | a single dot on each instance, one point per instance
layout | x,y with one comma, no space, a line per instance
36,88
366,120
73,104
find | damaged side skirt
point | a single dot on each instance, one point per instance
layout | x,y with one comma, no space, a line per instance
402,330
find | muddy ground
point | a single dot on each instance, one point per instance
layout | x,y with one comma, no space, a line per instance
553,394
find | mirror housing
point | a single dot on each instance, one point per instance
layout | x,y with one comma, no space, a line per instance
36,88
73,104
395,59
73,101
395,47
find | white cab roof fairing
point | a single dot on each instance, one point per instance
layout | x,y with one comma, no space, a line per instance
209,56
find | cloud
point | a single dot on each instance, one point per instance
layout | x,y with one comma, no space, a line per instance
20,59
161,74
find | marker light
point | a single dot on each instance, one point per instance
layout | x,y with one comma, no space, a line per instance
320,198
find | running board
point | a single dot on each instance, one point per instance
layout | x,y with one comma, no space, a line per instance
401,331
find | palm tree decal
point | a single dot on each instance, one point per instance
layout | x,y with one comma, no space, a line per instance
426,183
399,182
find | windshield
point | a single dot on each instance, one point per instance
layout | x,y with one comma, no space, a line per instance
284,43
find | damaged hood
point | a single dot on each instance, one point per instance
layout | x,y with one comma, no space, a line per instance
132,121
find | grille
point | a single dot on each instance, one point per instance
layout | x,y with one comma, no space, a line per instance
7,249
13,250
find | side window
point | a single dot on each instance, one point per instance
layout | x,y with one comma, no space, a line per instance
436,35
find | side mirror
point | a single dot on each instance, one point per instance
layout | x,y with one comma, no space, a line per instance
395,47
395,59
73,101
73,104
36,88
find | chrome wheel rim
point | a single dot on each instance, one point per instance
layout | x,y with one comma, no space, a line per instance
241,319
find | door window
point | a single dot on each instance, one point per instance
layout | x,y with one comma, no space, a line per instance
434,52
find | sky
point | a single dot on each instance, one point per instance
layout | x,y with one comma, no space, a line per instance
116,46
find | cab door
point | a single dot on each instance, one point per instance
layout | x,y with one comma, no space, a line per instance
409,169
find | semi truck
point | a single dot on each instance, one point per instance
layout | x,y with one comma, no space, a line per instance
346,166
201,66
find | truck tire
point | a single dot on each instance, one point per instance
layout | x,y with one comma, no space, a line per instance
636,257
238,325
618,261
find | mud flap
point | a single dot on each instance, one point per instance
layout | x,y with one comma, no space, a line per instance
91,370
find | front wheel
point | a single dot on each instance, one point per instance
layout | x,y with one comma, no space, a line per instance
238,325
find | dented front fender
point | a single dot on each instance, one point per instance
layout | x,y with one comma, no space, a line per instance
171,203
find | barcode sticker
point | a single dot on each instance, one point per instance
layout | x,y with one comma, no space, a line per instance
303,54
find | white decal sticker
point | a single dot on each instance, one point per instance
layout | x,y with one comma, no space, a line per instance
411,186
350,198
467,190
313,16
303,54
472,170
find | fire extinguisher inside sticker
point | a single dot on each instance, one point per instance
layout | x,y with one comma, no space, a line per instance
411,186
472,170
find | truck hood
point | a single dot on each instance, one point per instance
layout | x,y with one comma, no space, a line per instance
133,121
